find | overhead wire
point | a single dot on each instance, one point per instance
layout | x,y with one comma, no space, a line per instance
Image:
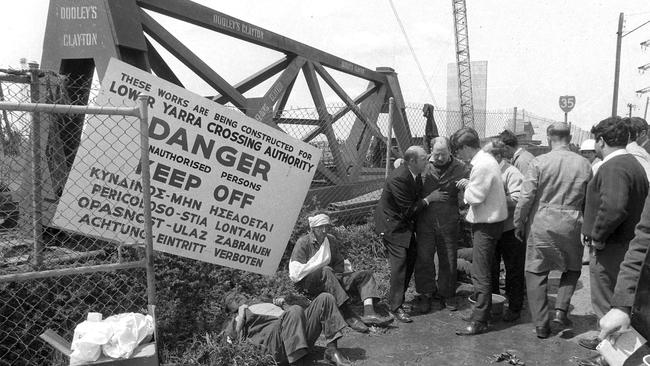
415,57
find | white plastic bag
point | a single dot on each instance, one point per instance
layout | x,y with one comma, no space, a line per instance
128,330
89,336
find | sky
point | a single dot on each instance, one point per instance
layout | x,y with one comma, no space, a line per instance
536,50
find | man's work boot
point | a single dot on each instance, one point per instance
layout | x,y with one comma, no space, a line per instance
561,318
376,320
356,324
543,332
449,303
334,357
401,315
473,328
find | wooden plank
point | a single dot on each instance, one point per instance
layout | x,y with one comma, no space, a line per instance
264,113
256,79
191,60
160,67
206,17
343,95
326,118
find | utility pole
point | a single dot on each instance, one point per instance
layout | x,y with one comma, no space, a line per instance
617,67
645,114
629,107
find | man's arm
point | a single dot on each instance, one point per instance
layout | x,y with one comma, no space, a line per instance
480,180
513,187
301,265
614,191
527,196
408,206
337,261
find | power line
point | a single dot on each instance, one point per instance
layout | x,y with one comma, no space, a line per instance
415,57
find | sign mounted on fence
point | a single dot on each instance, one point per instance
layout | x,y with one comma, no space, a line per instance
226,189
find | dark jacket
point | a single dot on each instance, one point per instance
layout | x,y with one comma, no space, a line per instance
307,246
396,211
614,200
633,282
440,213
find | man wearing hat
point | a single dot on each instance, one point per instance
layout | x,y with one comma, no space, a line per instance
316,266
613,207
588,151
548,218
285,331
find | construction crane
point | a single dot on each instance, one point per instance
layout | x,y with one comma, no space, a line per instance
463,63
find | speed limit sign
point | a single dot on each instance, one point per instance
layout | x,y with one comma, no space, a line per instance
567,103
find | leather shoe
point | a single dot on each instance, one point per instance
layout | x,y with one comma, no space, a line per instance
334,357
589,343
561,318
449,303
422,304
511,316
543,332
376,320
357,325
472,329
402,315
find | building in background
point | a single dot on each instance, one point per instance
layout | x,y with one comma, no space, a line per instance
479,98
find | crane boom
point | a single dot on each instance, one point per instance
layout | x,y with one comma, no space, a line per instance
463,63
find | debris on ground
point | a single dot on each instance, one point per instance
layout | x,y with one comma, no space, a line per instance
508,356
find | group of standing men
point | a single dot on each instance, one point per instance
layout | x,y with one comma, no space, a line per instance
534,213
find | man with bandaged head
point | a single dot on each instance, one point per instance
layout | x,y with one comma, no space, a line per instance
317,266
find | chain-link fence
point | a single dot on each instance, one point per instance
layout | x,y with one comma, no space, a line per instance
50,278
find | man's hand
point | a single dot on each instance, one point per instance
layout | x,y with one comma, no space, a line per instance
586,241
437,196
461,184
279,301
616,320
520,233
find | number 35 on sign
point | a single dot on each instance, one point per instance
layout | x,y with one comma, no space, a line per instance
567,102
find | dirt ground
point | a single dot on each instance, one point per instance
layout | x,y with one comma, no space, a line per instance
431,339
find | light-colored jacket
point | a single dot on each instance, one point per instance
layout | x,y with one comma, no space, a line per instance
641,156
485,193
512,181
550,209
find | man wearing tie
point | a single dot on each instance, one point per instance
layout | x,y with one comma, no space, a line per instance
395,220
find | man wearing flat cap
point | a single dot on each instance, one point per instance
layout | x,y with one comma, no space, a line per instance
316,266
547,218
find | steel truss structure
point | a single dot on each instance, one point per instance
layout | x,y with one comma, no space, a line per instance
463,63
82,35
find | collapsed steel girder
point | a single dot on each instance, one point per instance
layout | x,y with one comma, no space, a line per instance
117,28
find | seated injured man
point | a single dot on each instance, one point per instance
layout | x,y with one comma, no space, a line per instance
284,331
317,266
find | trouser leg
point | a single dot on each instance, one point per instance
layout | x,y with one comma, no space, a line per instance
513,253
496,267
446,246
323,316
362,282
324,280
401,261
568,283
289,340
604,267
537,289
484,237
425,267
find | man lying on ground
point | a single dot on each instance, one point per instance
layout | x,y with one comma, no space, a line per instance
287,332
317,266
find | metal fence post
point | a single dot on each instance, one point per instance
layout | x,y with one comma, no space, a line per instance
146,194
37,214
514,121
389,133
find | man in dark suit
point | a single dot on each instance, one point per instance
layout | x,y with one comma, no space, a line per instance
614,203
395,221
631,299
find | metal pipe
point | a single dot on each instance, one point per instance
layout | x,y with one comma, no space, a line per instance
37,177
617,67
146,193
70,109
645,114
514,121
389,133
70,271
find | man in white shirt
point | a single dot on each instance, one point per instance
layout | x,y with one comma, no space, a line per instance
637,127
485,194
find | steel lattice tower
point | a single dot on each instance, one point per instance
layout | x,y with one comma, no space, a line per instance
463,63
